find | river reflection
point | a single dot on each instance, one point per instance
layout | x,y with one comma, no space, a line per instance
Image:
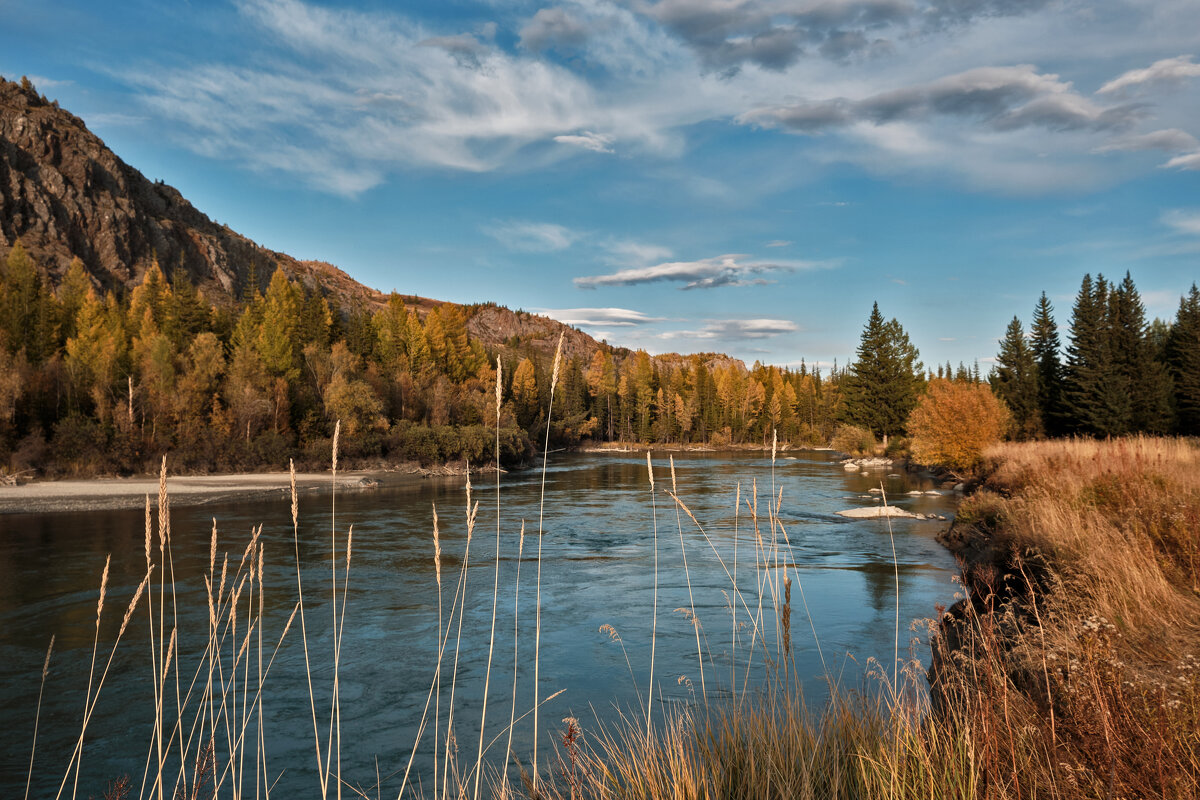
597,569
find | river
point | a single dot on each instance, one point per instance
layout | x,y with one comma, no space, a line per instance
600,524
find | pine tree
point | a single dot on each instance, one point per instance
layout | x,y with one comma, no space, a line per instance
1015,381
1044,344
883,384
1183,359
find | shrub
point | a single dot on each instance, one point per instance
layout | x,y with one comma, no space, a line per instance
954,421
853,440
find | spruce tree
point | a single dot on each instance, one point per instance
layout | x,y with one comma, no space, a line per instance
1183,359
1015,380
1045,345
882,385
1137,372
1089,398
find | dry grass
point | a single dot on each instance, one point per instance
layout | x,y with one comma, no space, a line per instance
1079,658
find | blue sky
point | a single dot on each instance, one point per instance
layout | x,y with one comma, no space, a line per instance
744,176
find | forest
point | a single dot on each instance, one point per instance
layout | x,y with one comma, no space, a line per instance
93,384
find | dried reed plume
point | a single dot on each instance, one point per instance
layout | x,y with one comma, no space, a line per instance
38,715
537,645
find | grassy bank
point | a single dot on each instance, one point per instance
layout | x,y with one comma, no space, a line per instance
1069,670
1077,660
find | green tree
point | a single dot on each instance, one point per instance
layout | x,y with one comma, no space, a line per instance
1015,381
1136,363
1183,359
1095,398
1044,343
882,385
28,310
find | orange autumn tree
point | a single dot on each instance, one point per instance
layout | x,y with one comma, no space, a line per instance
954,421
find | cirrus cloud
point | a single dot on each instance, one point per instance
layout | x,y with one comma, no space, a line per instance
736,330
1164,71
706,273
532,237
591,317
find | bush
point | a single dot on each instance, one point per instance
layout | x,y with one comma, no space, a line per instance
954,421
79,442
853,441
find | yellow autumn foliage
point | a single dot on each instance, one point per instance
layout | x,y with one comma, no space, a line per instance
954,422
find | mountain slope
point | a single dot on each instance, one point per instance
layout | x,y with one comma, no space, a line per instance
64,194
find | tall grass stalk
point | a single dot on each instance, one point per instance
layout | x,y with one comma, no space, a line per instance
462,612
512,716
654,601
688,575
323,781
37,718
487,680
335,711
537,645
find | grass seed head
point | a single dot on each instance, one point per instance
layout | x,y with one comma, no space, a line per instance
557,364
337,432
295,498
103,589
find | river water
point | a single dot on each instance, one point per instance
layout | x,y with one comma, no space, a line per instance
600,522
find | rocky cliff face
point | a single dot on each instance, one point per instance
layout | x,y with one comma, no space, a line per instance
64,194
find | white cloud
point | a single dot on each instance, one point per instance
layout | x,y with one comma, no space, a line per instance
779,243
629,252
617,317
1183,220
532,237
364,95
735,330
596,142
42,83
1171,140
1189,161
1003,98
1165,71
727,270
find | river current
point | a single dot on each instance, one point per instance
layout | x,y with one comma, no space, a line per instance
600,524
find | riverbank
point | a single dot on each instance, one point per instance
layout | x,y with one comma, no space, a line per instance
1074,666
98,494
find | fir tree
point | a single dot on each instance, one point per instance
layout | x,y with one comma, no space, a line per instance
1136,368
882,385
1095,400
1015,381
1044,344
1183,359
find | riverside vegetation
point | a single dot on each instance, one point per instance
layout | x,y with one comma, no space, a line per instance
1070,670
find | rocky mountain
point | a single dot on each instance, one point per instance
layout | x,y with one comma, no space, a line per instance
65,195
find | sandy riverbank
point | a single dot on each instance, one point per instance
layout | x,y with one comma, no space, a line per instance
108,493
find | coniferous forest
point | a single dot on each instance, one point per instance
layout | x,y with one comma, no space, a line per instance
99,384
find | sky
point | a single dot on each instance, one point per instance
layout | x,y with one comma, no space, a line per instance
740,176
